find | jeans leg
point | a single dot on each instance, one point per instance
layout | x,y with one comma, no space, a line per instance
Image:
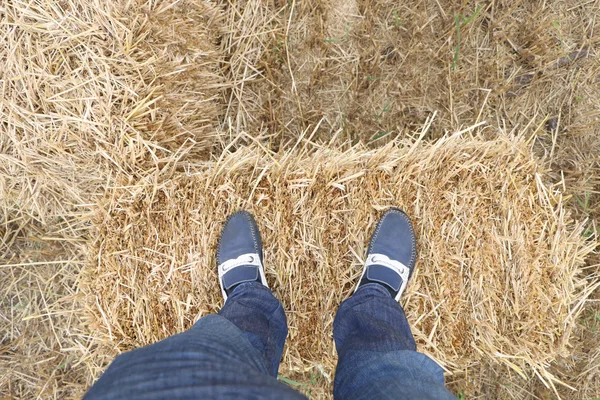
377,352
216,358
259,315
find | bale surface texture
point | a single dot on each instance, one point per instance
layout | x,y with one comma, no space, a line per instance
496,278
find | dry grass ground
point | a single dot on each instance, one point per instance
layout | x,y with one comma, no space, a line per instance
375,68
88,90
96,97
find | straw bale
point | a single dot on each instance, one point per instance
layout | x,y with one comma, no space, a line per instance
497,279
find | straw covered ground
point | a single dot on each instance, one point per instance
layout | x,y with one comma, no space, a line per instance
129,129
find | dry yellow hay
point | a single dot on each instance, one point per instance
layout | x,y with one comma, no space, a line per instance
87,90
91,90
497,280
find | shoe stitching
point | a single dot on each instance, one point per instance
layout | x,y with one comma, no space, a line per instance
252,223
375,234
413,250
253,227
413,254
221,238
221,235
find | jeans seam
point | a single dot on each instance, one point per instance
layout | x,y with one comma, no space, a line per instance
271,339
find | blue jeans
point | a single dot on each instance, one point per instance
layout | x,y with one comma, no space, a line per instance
236,354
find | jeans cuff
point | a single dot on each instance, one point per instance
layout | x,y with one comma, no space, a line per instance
374,289
248,286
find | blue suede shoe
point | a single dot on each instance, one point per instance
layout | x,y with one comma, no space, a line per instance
239,253
392,253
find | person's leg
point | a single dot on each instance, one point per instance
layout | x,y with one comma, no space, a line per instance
218,357
377,357
260,317
234,354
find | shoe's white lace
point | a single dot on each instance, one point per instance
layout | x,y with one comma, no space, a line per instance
252,259
245,259
395,265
